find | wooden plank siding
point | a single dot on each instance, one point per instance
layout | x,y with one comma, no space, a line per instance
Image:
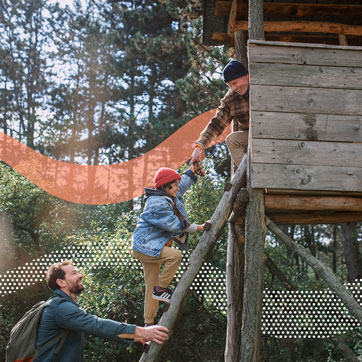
306,117
313,127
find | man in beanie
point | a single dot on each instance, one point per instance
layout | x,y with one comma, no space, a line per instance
234,106
162,220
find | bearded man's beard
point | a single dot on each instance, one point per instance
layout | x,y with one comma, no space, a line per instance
78,288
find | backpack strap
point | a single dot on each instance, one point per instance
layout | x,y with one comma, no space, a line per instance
62,336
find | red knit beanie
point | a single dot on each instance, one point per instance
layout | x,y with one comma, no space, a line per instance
165,175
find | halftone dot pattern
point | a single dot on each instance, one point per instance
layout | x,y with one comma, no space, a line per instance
286,314
308,314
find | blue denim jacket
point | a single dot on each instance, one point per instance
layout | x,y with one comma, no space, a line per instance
64,313
158,221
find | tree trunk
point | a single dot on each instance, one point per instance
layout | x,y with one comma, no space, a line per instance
334,248
351,251
347,353
253,274
274,270
324,272
253,277
234,290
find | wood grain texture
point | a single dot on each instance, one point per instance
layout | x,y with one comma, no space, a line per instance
275,203
307,54
306,177
313,127
305,27
305,100
297,75
324,272
307,153
222,8
314,218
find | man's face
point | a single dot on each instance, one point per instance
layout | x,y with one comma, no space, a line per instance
72,281
239,85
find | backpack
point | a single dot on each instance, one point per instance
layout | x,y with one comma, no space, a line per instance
23,336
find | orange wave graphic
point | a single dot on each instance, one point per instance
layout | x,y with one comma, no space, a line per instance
104,184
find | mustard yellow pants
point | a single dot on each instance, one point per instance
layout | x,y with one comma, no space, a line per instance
170,258
237,143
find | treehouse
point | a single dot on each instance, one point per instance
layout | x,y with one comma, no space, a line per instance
306,131
305,104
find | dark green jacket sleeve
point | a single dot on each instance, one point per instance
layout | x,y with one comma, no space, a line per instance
70,316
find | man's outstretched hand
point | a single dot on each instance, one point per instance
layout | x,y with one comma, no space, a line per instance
157,334
197,156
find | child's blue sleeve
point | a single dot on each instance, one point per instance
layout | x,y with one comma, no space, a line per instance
187,180
163,216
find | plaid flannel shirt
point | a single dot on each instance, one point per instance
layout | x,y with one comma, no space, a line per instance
233,106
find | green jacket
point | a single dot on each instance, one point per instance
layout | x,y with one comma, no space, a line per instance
64,313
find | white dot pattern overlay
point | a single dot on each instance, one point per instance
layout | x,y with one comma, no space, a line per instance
286,314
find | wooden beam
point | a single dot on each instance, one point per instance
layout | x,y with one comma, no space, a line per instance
222,8
315,218
314,153
234,290
294,126
342,39
331,39
302,177
305,27
312,203
232,18
313,76
311,193
306,100
323,272
253,277
221,37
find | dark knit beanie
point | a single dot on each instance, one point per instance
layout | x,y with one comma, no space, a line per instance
165,175
233,70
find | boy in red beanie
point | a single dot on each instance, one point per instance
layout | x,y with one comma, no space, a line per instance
162,220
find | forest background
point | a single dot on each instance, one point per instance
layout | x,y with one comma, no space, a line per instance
94,83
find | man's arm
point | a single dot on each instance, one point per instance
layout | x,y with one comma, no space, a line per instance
70,316
213,129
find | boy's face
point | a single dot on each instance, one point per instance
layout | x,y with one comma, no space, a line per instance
172,191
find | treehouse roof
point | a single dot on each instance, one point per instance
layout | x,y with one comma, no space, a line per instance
337,22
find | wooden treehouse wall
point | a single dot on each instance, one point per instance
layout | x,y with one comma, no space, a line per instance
306,116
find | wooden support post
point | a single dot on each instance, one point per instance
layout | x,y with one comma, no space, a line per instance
324,272
255,234
256,20
197,258
235,248
234,290
240,42
347,353
253,277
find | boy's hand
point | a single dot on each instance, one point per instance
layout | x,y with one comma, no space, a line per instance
205,226
200,227
197,169
198,155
